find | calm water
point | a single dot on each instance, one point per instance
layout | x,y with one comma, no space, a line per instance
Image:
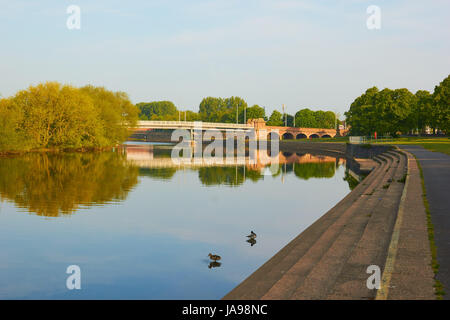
141,228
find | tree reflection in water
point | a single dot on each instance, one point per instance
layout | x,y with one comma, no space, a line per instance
51,185
54,184
304,166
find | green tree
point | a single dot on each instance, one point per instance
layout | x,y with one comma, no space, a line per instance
305,118
255,112
362,115
12,137
289,120
276,119
234,104
158,110
212,109
58,116
441,97
116,113
424,110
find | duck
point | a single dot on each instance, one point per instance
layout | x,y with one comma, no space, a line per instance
214,257
252,235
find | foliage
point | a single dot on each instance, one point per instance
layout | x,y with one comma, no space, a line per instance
222,110
389,112
307,118
51,115
116,113
157,110
255,112
212,109
276,119
441,98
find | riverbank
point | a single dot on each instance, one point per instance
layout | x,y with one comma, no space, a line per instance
329,260
435,144
54,150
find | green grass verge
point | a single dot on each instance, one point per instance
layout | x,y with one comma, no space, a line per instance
439,288
432,144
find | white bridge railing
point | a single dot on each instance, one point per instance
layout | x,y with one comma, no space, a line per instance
191,125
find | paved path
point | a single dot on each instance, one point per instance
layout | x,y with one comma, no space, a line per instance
436,171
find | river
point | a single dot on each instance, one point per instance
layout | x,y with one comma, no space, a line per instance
141,227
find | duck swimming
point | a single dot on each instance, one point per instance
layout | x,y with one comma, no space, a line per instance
252,235
214,257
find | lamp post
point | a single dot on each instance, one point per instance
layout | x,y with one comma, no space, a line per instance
245,115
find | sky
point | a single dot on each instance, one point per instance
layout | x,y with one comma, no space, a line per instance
305,54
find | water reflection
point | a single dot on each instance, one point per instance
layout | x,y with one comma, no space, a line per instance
58,184
214,264
151,224
155,162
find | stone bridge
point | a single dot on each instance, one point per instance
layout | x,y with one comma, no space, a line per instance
256,126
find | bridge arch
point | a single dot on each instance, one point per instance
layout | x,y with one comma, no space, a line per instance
314,136
301,136
326,136
287,136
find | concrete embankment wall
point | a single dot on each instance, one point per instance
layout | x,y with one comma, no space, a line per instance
358,151
329,259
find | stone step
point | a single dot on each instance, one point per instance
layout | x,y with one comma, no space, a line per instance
294,277
324,274
257,284
373,246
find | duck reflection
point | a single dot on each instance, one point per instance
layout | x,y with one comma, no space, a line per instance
251,241
214,264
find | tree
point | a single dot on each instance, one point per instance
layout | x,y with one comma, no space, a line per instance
212,109
51,115
276,119
222,110
11,135
424,110
289,120
234,104
116,113
58,116
255,112
441,97
158,110
361,116
385,112
305,118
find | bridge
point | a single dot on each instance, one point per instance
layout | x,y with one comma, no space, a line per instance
258,126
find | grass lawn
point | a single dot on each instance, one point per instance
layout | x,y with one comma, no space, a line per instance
432,144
